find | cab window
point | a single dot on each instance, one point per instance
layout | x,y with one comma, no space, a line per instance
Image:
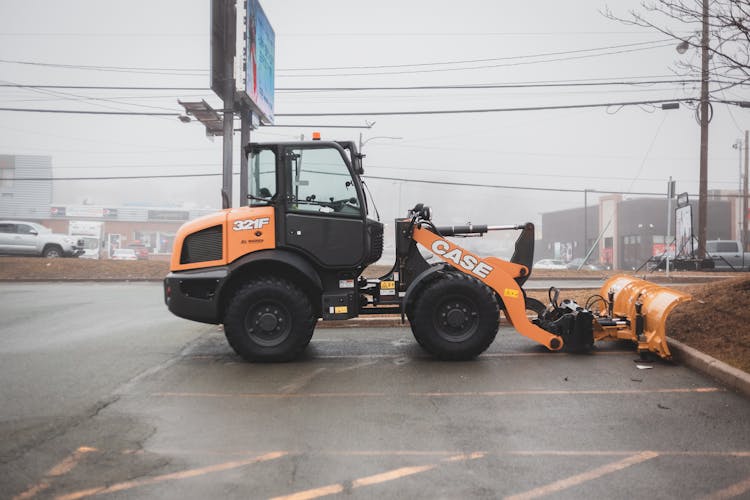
321,182
262,178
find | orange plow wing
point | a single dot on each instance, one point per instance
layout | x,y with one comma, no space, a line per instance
638,311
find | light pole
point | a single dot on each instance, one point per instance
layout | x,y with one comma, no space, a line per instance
738,146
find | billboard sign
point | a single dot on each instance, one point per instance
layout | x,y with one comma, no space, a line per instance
684,232
260,53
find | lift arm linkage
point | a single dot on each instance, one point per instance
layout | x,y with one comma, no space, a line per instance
498,274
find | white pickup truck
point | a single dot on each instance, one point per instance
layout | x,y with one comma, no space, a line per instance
30,238
728,255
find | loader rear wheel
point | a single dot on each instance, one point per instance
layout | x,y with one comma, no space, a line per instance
269,319
455,317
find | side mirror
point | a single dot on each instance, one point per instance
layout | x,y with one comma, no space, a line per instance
33,232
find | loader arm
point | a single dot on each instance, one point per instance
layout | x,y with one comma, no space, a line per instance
498,274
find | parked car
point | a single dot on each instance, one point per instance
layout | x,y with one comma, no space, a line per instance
588,266
124,254
141,250
30,238
728,255
550,264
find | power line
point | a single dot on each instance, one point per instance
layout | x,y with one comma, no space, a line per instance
101,87
140,69
85,112
117,177
481,86
115,69
490,110
383,113
470,61
398,179
548,83
503,65
521,60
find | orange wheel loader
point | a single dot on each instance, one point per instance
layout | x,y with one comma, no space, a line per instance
294,254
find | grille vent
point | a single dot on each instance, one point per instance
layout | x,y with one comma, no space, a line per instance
202,246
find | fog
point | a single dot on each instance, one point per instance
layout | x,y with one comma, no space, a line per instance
390,43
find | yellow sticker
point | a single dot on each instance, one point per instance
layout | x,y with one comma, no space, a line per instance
340,309
387,285
509,292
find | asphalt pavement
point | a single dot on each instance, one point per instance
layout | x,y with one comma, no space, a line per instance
106,395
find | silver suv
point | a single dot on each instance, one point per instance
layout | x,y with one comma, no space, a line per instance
30,238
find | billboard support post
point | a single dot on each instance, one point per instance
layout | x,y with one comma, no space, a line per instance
223,42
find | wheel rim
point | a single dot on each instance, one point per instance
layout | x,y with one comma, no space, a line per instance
268,323
52,254
456,319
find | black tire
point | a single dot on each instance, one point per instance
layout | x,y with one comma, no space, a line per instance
52,252
455,317
269,319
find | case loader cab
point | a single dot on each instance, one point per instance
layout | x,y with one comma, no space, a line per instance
318,199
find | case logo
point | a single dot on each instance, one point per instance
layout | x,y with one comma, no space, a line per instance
468,262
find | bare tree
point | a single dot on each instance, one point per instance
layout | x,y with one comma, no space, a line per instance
728,32
720,29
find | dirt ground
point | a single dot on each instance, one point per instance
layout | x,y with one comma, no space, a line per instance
716,321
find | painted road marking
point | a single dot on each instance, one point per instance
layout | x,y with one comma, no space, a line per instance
577,479
449,453
317,395
630,458
62,468
732,491
382,477
295,385
202,471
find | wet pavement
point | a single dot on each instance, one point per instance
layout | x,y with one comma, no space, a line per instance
107,395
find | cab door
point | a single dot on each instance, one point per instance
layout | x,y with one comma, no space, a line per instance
324,216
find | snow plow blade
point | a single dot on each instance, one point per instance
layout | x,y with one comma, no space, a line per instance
637,311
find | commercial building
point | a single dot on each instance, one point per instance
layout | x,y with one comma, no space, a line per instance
625,233
26,193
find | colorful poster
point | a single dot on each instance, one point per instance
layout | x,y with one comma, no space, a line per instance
260,53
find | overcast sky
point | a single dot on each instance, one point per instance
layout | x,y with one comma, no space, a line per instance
352,44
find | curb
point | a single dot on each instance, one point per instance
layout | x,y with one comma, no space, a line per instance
726,374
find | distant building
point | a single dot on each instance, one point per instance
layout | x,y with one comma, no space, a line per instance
625,233
26,193
21,198
151,227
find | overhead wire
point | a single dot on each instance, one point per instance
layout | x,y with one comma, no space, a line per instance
398,179
471,61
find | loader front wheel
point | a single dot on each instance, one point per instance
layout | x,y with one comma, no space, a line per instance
455,317
269,319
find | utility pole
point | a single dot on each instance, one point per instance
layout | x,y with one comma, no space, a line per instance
744,198
704,118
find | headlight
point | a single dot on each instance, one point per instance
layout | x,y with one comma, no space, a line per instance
69,241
